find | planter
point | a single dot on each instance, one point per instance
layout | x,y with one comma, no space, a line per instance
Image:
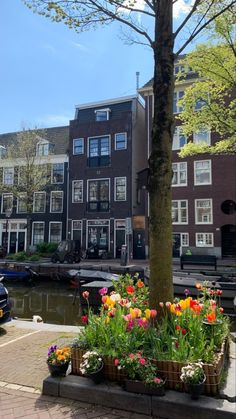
135,386
97,376
58,370
213,372
196,389
111,372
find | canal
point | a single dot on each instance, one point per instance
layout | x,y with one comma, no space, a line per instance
53,301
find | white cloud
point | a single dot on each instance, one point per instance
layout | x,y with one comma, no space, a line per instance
80,46
54,120
181,6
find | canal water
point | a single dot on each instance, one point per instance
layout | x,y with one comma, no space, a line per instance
53,301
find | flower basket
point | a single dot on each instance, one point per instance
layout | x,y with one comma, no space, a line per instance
58,370
97,376
172,371
111,372
135,386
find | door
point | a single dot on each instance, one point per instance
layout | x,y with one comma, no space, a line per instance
120,239
97,239
228,240
176,243
139,244
13,242
21,241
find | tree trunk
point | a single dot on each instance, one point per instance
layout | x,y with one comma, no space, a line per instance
160,162
28,234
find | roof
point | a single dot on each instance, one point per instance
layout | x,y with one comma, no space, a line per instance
59,136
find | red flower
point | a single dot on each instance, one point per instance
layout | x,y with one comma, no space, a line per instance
140,284
130,289
85,295
116,362
142,361
153,313
219,292
177,327
211,317
84,319
184,331
221,310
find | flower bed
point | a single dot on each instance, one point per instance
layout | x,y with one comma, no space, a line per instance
191,330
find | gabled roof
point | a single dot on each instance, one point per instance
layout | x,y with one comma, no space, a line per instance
58,136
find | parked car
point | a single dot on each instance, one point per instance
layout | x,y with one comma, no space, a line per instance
4,305
67,251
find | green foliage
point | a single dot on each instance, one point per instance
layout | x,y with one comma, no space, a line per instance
20,257
34,258
215,65
46,247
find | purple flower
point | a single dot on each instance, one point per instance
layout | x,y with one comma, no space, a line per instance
103,291
186,292
52,349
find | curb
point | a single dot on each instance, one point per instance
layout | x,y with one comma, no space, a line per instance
112,395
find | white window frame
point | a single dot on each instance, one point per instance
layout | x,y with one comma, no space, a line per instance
42,148
182,239
195,173
196,211
42,193
125,141
51,199
82,141
33,224
178,173
176,138
204,243
9,175
195,134
95,137
115,189
50,224
73,189
179,211
77,229
98,179
179,109
21,196
5,195
63,171
107,110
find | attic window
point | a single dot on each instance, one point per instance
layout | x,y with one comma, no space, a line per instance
102,114
43,148
3,152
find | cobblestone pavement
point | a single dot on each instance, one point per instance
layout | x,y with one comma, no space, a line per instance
20,404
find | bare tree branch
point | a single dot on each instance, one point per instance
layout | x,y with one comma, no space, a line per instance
195,5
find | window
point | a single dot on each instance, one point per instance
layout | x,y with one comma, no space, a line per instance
184,239
38,232
177,96
120,189
121,141
8,175
179,174
203,211
58,173
102,115
55,230
204,239
21,203
98,195
7,202
202,136
42,148
201,102
202,172
179,139
77,230
77,191
78,146
39,204
179,69
99,151
180,212
56,204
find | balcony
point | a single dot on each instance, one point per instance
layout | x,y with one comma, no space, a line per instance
98,206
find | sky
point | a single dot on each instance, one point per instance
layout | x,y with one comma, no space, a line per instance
47,69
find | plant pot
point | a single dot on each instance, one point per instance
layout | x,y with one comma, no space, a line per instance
58,370
196,389
136,386
97,376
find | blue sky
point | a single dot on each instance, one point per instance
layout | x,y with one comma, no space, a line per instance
46,69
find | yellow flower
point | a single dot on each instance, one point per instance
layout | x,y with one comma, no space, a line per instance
148,313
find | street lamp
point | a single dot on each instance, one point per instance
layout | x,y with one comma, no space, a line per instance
8,213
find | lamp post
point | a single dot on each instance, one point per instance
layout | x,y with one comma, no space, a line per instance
8,213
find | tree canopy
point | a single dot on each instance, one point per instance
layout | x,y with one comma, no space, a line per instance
214,91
